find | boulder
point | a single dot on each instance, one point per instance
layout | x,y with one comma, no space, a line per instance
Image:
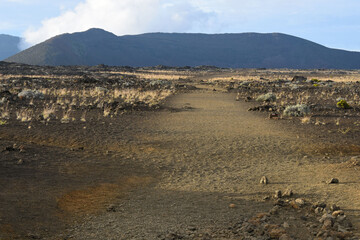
299,79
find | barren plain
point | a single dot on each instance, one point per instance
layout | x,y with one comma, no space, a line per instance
178,153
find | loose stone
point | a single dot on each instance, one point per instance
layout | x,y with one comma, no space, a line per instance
277,194
333,181
264,180
288,193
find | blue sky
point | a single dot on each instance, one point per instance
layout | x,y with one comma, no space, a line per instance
16,16
332,23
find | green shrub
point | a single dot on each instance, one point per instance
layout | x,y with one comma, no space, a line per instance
315,80
343,104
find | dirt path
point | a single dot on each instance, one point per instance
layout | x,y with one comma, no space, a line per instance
204,154
212,152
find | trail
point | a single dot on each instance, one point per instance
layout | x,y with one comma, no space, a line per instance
218,146
166,171
212,152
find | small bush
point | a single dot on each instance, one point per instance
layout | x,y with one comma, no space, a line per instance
2,101
49,112
5,113
269,97
25,115
343,104
31,94
298,110
306,120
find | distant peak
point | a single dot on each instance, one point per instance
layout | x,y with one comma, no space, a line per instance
95,30
98,31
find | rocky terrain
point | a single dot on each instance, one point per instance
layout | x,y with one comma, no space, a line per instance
178,153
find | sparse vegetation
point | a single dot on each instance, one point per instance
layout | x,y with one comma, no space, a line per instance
298,110
269,97
66,117
319,100
5,113
24,115
49,112
343,104
37,100
306,120
110,129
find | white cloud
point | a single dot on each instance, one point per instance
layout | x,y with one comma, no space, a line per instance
124,17
317,20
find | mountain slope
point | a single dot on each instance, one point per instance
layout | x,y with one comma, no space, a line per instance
244,50
8,46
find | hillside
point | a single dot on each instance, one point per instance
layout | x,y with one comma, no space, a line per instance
244,50
8,46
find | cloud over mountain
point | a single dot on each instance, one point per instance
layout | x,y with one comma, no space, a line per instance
125,17
315,20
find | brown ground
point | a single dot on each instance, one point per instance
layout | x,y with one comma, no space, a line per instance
144,175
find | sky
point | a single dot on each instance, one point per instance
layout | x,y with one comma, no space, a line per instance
333,23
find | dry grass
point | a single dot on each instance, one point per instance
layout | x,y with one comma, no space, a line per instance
156,75
25,115
306,120
107,111
67,103
48,112
67,116
5,112
223,76
116,90
127,95
287,74
148,97
50,77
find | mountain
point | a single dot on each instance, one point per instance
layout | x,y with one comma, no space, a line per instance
8,46
244,50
